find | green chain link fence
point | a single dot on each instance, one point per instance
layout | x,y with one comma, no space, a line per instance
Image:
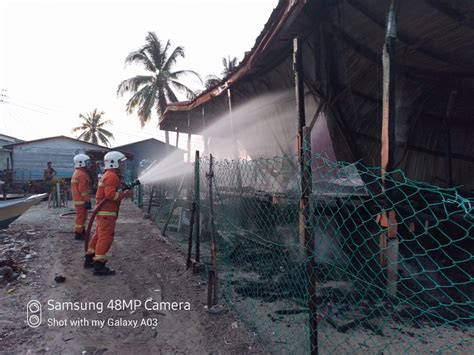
371,265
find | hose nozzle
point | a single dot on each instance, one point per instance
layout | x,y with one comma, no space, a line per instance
132,184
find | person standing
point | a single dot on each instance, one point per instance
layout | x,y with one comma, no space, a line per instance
80,194
108,191
48,174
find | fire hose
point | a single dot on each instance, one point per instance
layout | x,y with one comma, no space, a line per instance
97,209
72,213
91,221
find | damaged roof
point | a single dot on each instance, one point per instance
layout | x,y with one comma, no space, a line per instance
342,54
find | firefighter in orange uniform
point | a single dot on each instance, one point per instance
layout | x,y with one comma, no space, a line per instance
80,194
108,189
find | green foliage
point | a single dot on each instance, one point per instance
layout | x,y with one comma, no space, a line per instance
156,90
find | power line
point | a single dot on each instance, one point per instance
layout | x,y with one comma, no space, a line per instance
31,104
25,107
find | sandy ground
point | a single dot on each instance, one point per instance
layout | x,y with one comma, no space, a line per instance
40,246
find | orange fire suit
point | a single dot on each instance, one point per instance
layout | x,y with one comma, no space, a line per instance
80,195
107,216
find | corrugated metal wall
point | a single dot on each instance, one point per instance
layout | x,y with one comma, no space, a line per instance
29,159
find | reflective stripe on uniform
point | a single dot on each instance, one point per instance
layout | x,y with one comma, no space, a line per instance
79,225
84,194
100,257
101,184
78,203
90,251
117,195
74,181
107,213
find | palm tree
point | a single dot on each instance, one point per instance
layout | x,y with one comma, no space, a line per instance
92,128
157,89
210,81
229,65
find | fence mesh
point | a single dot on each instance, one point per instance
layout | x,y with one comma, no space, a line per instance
390,260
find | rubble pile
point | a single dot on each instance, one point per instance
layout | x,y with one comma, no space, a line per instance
15,254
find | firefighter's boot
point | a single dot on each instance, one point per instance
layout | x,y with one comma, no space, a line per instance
78,236
101,270
88,261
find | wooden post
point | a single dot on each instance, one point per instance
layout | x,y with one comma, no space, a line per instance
58,195
204,128
167,139
213,278
190,237
210,288
173,207
299,94
308,235
234,146
299,89
140,196
306,229
152,195
388,239
197,201
189,140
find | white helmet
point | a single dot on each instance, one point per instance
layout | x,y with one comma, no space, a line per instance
80,160
112,160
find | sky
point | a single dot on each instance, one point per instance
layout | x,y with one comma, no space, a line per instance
62,58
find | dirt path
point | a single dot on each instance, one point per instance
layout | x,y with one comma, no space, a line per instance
41,246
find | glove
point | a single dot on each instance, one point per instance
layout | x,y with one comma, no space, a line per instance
88,205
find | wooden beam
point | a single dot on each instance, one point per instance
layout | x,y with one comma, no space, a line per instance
413,147
411,42
316,115
412,72
444,8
